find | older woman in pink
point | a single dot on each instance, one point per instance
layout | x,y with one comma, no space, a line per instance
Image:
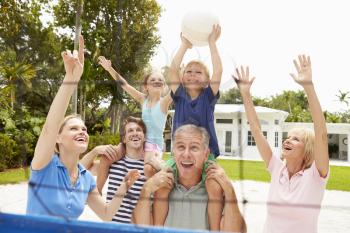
298,182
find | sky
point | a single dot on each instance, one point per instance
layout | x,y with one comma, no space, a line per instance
267,35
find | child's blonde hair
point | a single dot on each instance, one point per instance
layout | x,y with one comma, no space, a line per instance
199,63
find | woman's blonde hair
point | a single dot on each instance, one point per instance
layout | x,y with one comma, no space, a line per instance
308,138
64,122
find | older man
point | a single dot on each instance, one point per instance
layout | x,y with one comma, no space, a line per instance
188,198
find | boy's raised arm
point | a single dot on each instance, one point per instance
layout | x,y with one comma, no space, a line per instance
216,60
174,71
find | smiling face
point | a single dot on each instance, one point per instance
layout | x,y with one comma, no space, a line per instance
154,84
195,77
73,136
299,146
190,153
134,137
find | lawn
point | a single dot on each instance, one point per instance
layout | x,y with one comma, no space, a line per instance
255,170
13,176
236,170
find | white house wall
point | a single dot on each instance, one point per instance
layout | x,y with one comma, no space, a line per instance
235,112
248,152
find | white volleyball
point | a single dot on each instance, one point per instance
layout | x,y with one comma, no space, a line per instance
196,27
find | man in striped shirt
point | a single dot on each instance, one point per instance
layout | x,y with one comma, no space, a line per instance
132,136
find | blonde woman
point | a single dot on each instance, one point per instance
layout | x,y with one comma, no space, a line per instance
298,180
59,185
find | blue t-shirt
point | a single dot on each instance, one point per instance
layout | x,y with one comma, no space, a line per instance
199,112
50,191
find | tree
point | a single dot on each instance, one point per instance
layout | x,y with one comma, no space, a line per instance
28,57
29,50
343,97
125,32
12,72
232,96
331,117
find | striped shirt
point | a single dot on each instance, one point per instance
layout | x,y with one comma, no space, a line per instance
117,172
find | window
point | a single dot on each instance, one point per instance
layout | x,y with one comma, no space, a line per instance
284,136
276,139
239,138
228,140
224,121
263,122
277,122
251,141
239,121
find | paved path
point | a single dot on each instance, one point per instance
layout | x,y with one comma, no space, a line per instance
334,217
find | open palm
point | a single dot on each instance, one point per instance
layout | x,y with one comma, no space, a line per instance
105,63
74,63
303,67
242,79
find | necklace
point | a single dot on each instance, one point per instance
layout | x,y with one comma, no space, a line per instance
74,177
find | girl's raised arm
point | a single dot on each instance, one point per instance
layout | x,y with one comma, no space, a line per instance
107,65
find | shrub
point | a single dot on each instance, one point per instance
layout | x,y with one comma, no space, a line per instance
103,139
7,154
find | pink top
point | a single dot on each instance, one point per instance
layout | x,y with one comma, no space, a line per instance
293,205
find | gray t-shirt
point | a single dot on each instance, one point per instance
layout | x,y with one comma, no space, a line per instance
188,208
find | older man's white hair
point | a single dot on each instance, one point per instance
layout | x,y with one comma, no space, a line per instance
191,129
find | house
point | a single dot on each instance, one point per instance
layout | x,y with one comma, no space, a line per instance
235,138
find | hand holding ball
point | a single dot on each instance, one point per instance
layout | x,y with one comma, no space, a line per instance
197,26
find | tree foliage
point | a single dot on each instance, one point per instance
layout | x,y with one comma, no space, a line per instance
123,31
232,96
31,69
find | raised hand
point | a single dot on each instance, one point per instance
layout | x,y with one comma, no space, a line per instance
215,34
186,43
242,79
105,63
109,151
303,68
130,178
74,63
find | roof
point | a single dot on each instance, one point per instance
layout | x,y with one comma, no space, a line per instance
233,108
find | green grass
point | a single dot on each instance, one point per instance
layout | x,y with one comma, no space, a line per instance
339,178
245,170
13,176
255,170
235,169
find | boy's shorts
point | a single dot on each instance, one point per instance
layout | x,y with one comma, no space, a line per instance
172,164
